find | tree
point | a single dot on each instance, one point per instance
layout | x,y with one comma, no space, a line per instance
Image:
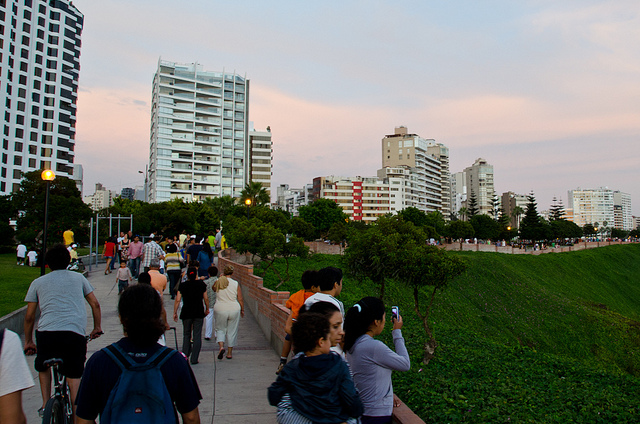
7,212
301,228
372,253
562,229
472,205
256,193
589,230
436,220
338,232
556,211
463,212
66,209
423,267
485,228
459,230
531,228
504,225
618,233
322,214
415,215
221,206
516,214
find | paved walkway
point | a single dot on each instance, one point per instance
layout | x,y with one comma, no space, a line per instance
234,391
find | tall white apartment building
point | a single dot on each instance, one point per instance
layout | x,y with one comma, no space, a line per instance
458,192
39,68
101,198
425,158
510,201
199,144
622,218
479,182
591,206
261,157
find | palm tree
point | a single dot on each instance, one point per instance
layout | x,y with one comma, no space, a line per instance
256,193
517,214
463,212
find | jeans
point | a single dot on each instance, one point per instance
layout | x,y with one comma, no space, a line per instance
122,284
134,266
174,277
189,325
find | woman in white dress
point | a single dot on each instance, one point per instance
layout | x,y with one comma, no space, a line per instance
228,309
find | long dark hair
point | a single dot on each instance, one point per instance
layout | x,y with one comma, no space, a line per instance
192,273
206,248
359,318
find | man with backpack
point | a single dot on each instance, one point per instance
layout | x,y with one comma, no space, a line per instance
135,379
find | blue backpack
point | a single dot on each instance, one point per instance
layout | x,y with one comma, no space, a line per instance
140,394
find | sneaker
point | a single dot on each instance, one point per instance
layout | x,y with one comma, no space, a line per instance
282,364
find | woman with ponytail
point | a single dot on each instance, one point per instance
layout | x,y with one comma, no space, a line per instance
370,360
195,306
227,311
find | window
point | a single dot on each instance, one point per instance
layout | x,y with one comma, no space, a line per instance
24,67
27,14
18,147
26,27
32,163
24,53
36,84
52,52
25,40
22,80
38,71
54,16
54,27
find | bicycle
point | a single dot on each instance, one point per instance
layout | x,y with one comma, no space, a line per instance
58,409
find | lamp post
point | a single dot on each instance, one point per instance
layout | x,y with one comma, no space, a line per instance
47,176
146,181
248,203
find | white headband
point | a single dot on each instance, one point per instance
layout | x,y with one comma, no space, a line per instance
358,306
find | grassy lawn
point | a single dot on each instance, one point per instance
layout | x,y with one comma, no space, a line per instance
522,338
15,281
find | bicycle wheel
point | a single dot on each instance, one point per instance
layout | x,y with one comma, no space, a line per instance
54,412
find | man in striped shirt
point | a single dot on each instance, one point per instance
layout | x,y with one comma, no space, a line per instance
151,250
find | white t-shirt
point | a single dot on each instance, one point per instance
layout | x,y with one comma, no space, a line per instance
322,297
21,250
14,371
32,255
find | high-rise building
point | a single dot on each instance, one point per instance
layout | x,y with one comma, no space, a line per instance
480,184
101,199
510,201
290,199
592,206
199,145
429,162
261,156
39,64
362,199
622,218
128,193
458,193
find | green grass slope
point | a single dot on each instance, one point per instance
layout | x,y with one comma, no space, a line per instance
14,283
522,338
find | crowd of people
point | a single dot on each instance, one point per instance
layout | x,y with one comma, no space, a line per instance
338,371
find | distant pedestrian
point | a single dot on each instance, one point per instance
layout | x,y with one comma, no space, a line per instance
21,252
68,237
109,252
123,275
208,320
32,255
151,251
174,264
135,256
205,260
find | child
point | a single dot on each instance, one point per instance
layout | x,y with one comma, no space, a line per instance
316,385
123,276
21,251
329,282
208,320
33,257
294,303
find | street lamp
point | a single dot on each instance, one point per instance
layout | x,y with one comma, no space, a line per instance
146,181
47,176
248,203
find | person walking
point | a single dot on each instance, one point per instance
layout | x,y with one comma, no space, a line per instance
135,256
173,263
227,311
371,361
193,294
208,320
61,330
21,252
151,251
205,260
109,252
68,237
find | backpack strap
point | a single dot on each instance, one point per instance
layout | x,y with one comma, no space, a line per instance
125,362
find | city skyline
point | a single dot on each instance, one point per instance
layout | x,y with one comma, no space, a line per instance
544,92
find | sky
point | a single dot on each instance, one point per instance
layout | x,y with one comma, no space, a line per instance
547,92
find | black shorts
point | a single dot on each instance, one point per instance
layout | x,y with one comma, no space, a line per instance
69,346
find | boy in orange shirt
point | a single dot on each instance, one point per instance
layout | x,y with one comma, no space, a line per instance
295,302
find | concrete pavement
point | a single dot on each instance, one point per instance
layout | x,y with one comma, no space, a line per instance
234,391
